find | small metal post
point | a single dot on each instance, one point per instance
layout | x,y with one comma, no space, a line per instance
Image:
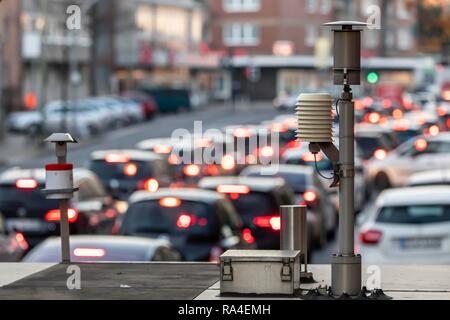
61,154
61,140
294,232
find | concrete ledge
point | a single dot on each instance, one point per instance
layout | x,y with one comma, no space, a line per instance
188,281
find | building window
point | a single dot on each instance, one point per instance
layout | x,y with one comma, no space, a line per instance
390,39
311,36
325,7
241,5
402,10
241,34
311,6
371,39
405,39
366,4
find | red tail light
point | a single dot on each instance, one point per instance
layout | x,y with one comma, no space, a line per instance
272,222
162,149
89,253
370,236
185,221
248,236
150,185
380,154
55,215
310,196
191,170
21,241
448,123
266,152
26,184
117,158
373,117
228,162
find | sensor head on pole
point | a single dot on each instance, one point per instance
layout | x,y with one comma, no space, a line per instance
315,118
61,137
347,52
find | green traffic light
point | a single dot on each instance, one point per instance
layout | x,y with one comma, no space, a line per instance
372,77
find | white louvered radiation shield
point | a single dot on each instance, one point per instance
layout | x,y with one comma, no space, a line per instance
315,118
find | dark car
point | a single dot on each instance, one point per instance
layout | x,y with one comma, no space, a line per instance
26,209
93,248
170,99
374,144
13,245
258,202
201,224
148,104
309,190
123,172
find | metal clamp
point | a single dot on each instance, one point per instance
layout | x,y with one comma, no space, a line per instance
286,271
227,271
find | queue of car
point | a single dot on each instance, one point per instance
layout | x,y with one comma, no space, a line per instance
157,202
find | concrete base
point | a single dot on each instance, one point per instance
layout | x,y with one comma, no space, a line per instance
346,275
187,281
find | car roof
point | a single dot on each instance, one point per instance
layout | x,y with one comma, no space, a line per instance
430,177
281,168
197,195
134,154
444,136
258,184
415,196
151,143
11,175
108,241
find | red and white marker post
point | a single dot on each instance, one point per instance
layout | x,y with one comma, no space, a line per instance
59,185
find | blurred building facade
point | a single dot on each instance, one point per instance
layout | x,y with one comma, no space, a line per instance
39,53
154,40
278,46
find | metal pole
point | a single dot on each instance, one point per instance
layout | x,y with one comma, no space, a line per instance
346,266
347,184
293,234
61,152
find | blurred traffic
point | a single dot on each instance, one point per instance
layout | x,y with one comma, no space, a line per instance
154,187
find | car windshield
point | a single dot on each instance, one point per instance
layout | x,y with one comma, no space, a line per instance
406,135
33,201
415,214
253,204
298,182
187,218
368,145
134,170
51,252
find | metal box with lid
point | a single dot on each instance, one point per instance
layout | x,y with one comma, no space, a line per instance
259,272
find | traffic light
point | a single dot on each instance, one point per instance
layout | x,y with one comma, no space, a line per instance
373,77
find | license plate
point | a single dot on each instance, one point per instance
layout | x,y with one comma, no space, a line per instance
24,224
424,243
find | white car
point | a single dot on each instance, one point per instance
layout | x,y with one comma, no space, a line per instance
76,118
96,248
24,122
408,226
420,154
430,178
